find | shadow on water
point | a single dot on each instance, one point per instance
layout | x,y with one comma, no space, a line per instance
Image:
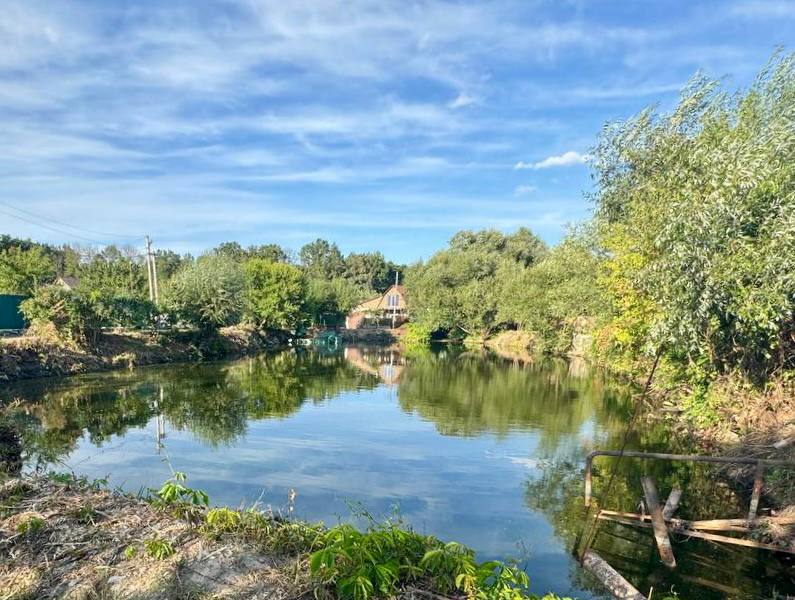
473,448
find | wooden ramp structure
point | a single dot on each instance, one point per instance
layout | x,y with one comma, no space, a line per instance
660,516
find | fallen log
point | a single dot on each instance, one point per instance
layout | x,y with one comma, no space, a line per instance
658,523
620,588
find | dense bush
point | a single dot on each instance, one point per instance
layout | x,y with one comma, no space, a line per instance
274,293
457,287
64,315
125,311
696,212
23,269
207,293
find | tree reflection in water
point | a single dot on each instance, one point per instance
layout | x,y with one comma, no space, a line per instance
561,410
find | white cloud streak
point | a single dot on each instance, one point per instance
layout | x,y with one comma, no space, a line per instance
566,159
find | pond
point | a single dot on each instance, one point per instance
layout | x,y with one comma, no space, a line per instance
464,446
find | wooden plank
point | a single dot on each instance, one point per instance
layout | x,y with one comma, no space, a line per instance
620,588
658,523
724,539
703,535
708,524
672,503
759,480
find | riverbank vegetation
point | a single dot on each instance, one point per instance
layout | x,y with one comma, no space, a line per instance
76,292
71,538
690,255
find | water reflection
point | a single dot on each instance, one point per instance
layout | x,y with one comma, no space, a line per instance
473,448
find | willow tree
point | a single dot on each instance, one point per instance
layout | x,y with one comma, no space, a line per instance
696,210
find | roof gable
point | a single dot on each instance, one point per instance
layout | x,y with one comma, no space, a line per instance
382,302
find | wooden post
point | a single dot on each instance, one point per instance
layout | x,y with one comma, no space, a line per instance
759,480
672,503
619,587
588,482
658,523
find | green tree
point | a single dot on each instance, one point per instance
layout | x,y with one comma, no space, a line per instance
23,270
207,293
458,287
274,293
322,259
554,295
367,270
696,210
328,301
269,252
231,250
169,263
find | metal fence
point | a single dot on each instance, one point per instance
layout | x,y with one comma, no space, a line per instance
10,317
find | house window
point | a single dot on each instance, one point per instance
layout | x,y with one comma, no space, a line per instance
392,300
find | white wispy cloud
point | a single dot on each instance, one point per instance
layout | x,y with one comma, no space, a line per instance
562,160
463,99
273,118
763,9
522,190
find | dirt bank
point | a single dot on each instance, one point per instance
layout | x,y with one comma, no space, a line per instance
70,541
31,357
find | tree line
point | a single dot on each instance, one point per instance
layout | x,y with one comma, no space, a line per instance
689,255
265,286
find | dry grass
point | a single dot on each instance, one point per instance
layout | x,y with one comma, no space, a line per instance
79,548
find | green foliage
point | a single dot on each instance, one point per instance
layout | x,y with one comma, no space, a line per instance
376,563
31,526
124,311
207,293
68,316
551,296
114,272
322,260
174,492
266,252
417,335
130,552
223,520
159,548
368,271
696,209
23,270
274,293
458,288
328,301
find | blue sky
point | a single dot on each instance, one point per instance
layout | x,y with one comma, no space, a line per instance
379,125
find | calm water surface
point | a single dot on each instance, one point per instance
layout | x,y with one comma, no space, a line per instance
466,447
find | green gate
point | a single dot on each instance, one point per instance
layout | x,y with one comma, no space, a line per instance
10,317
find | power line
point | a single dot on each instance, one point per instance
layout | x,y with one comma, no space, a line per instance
68,233
50,219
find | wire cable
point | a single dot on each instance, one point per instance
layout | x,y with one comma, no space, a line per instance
69,233
83,229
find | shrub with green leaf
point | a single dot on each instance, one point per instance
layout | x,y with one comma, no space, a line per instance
207,293
696,212
379,562
69,316
274,293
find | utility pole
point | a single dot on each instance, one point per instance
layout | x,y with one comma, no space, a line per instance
396,300
151,270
